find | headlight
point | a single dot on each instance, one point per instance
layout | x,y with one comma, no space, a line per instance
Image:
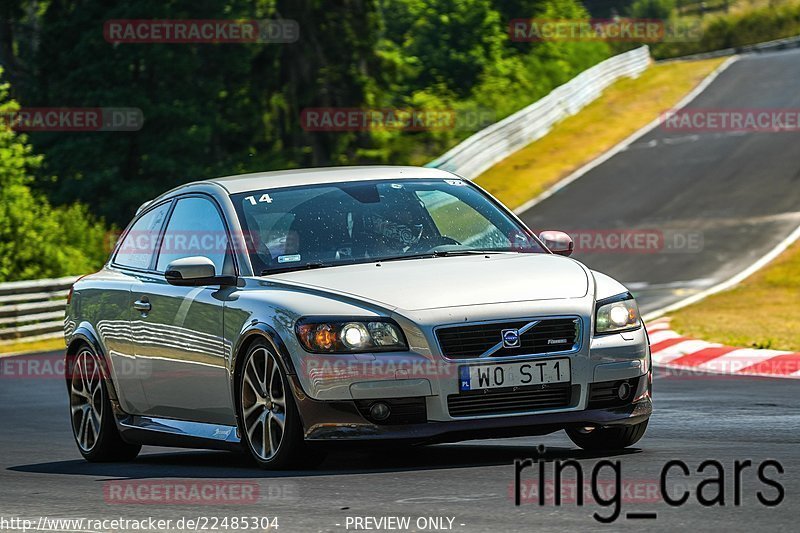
615,314
321,335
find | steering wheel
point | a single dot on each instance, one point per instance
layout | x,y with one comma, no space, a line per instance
443,242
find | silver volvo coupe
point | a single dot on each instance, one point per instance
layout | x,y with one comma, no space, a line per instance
276,312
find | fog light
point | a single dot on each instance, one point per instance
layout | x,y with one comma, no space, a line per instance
624,390
379,411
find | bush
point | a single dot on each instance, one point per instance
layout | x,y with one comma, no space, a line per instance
502,78
38,240
652,9
731,31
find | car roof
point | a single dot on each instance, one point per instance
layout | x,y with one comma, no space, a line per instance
259,181
316,176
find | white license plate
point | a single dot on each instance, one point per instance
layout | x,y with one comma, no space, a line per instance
496,376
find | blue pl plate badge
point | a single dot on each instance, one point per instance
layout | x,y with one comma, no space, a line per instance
463,378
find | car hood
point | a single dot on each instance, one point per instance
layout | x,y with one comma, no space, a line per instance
430,283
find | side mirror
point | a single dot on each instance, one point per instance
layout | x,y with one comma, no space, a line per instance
558,242
195,271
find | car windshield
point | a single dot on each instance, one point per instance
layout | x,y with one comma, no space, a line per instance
340,223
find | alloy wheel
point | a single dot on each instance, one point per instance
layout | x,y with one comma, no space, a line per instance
86,399
263,403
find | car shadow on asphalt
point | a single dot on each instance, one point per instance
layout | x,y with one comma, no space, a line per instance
383,459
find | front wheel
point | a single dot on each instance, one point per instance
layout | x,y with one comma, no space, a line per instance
269,420
607,439
93,425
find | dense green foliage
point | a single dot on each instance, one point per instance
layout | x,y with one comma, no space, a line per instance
36,239
697,26
216,109
652,9
730,31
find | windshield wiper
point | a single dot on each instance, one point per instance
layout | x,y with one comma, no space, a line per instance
426,255
306,266
402,257
441,253
450,253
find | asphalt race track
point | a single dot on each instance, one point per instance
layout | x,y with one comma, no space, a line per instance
698,418
716,202
665,181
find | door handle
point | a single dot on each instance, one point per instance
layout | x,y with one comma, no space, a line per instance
142,305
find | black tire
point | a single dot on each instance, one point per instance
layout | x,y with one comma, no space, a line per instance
291,450
608,439
97,445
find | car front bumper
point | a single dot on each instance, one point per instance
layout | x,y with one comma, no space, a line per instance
333,421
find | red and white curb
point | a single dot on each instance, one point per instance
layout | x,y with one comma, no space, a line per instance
672,350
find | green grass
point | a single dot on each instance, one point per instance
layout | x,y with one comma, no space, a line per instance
50,345
761,312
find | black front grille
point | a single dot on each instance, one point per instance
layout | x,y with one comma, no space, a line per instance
508,400
470,341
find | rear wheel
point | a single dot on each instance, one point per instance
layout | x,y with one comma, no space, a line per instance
270,422
610,438
93,425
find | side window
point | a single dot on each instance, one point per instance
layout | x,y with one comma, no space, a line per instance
195,228
139,245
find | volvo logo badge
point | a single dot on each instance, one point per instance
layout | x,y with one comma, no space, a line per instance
510,338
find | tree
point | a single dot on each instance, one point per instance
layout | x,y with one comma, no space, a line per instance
652,9
334,63
196,100
37,240
220,109
452,41
209,109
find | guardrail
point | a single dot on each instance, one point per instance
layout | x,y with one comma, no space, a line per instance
485,148
33,310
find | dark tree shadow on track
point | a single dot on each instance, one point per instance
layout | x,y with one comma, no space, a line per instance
211,464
